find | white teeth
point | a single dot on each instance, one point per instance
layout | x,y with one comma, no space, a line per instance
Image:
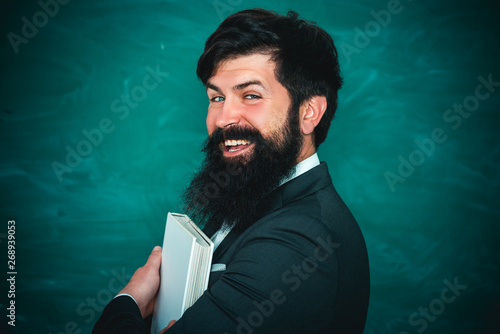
236,142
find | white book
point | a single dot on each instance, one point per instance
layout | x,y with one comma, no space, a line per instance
185,269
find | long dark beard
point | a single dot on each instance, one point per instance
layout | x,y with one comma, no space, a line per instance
230,191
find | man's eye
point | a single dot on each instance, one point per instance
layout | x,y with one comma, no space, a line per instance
252,97
217,99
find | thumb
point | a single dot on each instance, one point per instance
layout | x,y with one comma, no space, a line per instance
154,258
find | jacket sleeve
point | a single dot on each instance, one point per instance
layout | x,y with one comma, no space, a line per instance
121,315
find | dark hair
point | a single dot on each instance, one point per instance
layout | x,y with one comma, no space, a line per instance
305,56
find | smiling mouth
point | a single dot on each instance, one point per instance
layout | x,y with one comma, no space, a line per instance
234,147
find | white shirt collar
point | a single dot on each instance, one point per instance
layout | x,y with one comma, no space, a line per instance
302,167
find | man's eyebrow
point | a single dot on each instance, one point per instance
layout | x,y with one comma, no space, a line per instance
238,86
249,83
213,87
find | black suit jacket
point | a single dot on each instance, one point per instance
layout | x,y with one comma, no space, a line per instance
302,267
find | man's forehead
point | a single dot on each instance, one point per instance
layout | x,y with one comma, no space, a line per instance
256,69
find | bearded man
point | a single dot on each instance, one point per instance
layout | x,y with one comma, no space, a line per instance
289,256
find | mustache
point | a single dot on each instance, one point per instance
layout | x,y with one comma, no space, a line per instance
236,132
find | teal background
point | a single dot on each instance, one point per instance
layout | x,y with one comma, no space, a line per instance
78,237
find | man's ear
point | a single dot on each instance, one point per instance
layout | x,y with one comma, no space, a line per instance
311,113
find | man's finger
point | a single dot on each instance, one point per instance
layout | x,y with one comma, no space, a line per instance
155,257
170,324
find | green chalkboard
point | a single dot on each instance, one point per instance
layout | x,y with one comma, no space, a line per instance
102,119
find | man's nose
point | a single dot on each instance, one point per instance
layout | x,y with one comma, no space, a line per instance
229,114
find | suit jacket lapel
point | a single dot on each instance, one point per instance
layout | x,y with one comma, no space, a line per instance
224,245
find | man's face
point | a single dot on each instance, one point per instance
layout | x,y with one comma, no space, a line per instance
253,130
245,94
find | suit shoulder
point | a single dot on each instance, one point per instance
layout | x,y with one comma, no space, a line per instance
288,227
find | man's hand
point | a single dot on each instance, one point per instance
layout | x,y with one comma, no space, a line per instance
145,282
170,324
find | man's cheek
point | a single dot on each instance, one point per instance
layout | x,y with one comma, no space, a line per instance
210,122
